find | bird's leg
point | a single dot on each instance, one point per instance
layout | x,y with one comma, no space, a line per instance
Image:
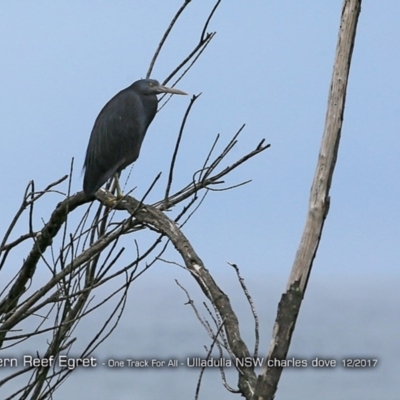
117,187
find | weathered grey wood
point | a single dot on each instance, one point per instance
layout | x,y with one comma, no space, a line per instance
289,306
319,196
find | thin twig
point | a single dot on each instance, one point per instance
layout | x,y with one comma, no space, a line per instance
165,36
178,141
207,357
203,33
252,307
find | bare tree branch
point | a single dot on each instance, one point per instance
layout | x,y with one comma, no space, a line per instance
165,36
174,155
252,307
289,306
159,222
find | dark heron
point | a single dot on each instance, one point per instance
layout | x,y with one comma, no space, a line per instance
118,132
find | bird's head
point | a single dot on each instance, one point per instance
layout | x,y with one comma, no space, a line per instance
153,87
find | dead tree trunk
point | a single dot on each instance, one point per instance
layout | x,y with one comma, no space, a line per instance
289,305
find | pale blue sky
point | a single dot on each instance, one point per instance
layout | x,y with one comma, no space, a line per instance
269,66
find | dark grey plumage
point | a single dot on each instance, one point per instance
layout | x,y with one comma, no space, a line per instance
119,130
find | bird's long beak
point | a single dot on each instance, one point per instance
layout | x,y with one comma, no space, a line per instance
165,89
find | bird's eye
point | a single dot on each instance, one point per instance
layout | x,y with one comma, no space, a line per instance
151,83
